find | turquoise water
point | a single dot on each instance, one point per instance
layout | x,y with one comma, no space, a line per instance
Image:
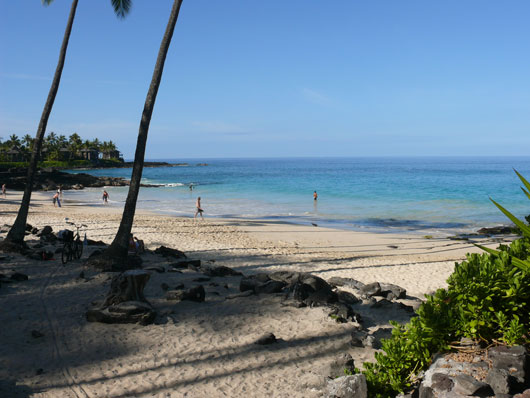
427,195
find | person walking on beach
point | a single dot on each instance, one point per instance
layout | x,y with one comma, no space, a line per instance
60,192
56,200
4,190
105,197
315,195
199,209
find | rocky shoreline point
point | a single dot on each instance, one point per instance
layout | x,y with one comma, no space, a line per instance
48,179
124,165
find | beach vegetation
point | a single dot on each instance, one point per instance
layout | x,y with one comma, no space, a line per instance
16,152
487,300
64,164
14,240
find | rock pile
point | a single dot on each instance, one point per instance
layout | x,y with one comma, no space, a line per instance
501,372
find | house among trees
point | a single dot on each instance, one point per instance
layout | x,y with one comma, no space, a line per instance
15,154
64,154
90,154
111,154
58,148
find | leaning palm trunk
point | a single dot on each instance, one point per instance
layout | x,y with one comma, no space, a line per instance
15,238
116,254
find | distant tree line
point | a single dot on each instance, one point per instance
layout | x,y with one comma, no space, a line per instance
57,147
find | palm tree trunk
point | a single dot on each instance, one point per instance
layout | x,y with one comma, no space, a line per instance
118,248
16,233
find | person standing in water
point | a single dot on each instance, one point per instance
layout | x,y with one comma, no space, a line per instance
105,197
4,190
315,195
199,209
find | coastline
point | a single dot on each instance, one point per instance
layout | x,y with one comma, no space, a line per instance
417,195
206,348
355,249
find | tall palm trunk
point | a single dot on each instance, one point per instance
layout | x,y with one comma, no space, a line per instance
16,233
118,248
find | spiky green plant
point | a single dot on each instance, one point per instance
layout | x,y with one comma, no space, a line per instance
487,299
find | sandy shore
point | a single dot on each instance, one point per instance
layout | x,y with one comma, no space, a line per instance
197,349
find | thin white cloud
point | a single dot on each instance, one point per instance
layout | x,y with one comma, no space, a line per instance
105,127
218,127
316,97
10,126
22,76
113,82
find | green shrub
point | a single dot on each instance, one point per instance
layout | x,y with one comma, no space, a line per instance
487,299
9,165
109,162
488,289
66,164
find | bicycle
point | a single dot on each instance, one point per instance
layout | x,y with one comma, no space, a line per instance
73,246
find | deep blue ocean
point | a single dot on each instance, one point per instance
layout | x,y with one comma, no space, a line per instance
427,195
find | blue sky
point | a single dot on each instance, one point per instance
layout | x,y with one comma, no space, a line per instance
252,78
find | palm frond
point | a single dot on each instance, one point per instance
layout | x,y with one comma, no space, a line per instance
522,226
121,7
526,192
521,264
525,182
47,2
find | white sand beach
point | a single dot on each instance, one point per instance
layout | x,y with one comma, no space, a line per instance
198,349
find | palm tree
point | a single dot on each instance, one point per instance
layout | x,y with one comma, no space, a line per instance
13,140
27,140
115,256
15,237
74,145
96,144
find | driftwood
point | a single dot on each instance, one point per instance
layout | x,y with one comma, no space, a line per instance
127,286
125,303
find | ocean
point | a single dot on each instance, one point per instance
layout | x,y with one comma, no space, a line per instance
427,195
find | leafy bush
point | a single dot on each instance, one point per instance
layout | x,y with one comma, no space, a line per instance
66,164
9,165
109,162
487,299
486,290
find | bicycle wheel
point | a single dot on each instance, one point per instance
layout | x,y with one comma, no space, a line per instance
78,249
67,253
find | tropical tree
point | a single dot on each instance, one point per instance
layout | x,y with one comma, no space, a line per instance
75,139
74,145
51,142
15,237
13,140
115,256
96,144
27,141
